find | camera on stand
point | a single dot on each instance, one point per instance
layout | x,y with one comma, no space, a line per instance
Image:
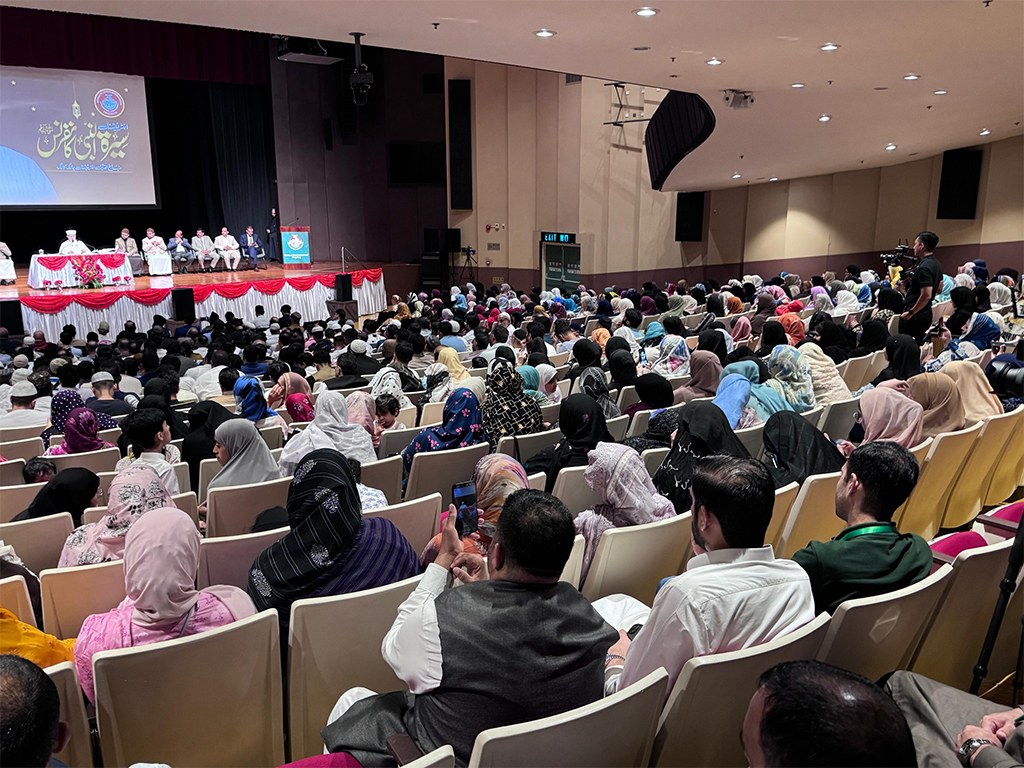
902,252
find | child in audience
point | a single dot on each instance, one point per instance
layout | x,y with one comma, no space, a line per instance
387,417
149,437
369,498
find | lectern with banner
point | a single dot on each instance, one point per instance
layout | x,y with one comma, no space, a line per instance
295,247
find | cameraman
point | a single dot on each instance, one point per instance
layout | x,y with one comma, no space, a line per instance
925,283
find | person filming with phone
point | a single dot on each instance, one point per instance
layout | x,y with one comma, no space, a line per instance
925,282
513,644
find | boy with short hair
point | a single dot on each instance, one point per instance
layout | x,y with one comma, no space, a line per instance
148,432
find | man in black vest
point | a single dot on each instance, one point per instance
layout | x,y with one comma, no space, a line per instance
518,646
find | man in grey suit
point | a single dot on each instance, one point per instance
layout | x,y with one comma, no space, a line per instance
203,246
127,245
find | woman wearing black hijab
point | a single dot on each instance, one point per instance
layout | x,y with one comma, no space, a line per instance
982,301
962,298
904,358
799,449
622,367
873,336
585,354
772,335
891,300
581,421
613,345
698,295
70,490
158,388
716,305
835,342
712,340
203,420
654,391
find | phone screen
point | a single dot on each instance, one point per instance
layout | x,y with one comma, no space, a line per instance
467,519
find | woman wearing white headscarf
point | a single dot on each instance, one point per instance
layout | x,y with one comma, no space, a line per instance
549,383
963,280
387,381
243,455
846,302
330,428
999,295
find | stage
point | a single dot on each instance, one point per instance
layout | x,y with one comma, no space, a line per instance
306,291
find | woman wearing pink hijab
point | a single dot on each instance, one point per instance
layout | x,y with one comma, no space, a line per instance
135,490
81,434
300,407
887,414
287,385
741,329
161,562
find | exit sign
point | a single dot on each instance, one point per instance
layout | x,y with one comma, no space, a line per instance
558,237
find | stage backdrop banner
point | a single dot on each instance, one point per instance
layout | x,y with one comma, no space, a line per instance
295,245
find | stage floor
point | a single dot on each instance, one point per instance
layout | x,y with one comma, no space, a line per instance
273,272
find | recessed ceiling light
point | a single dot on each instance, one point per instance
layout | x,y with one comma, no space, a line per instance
642,48
940,93
829,47
890,147
774,178
545,33
797,85
824,118
736,175
714,61
646,11
911,76
985,132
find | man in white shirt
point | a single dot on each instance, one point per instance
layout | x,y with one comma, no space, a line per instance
154,249
207,383
734,594
181,251
203,246
73,246
226,247
147,428
23,395
126,244
444,644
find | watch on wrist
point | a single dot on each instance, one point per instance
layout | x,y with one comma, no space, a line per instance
969,747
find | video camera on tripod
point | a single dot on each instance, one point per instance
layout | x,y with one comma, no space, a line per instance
902,252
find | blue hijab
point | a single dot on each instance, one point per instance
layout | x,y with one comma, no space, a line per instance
655,331
531,379
947,286
733,393
460,301
982,331
461,426
249,395
864,294
763,399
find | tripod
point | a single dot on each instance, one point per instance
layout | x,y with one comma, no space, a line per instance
1006,587
469,263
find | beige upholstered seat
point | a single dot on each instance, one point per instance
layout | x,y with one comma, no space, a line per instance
784,498
417,519
524,447
15,598
15,498
228,559
394,441
232,510
25,449
384,475
571,487
40,541
653,458
78,750
71,595
967,494
10,472
437,471
102,460
839,418
813,517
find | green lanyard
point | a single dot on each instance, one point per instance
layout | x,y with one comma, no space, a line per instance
879,528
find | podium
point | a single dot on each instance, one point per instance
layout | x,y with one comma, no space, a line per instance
295,247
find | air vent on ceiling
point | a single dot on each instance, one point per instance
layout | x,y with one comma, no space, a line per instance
570,79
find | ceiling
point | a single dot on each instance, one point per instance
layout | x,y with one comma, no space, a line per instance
972,51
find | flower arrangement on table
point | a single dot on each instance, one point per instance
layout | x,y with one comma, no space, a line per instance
87,271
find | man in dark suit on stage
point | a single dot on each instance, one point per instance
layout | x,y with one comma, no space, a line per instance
251,245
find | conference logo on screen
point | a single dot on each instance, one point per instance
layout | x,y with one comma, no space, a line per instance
296,243
109,102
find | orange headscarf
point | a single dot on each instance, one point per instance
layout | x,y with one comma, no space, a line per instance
794,327
601,336
734,305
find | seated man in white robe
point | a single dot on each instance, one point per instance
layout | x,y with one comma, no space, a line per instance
155,251
73,246
6,265
227,248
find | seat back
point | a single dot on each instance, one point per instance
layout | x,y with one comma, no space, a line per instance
186,502
627,397
407,416
1006,473
573,490
432,413
318,674
437,471
967,493
15,598
385,475
538,481
14,434
616,568
707,704
78,750
272,436
10,472
15,498
813,517
876,362
813,416
573,570
922,513
394,441
38,542
784,498
641,419
855,371
71,595
617,427
228,559
208,469
102,460
752,439
110,435
232,510
839,418
25,449
549,412
579,737
525,447
953,638
182,476
653,458
417,519
873,636
234,691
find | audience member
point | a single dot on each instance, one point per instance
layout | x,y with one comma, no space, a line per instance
71,490
149,439
29,715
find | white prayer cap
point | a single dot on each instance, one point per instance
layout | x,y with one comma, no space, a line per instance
70,232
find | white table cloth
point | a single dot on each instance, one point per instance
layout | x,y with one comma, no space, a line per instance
37,273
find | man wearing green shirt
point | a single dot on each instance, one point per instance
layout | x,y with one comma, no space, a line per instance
870,557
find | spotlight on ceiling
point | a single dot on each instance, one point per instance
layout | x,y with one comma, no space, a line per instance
545,33
830,47
824,118
911,76
646,11
985,132
797,85
774,178
736,175
941,93
890,147
714,61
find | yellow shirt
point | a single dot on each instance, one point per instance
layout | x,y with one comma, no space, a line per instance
26,641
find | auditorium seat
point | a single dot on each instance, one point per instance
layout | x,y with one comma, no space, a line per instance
419,520
875,367
232,510
573,570
549,412
78,750
839,418
186,502
752,439
39,541
617,427
784,498
617,568
272,436
1007,471
432,414
384,475
14,434
25,449
571,487
627,397
102,460
537,481
967,494
812,417
558,359
407,416
563,388
334,643
701,721
228,559
394,441
856,370
15,598
873,636
813,517
211,699
71,595
438,470
524,447
580,737
10,472
653,458
639,424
